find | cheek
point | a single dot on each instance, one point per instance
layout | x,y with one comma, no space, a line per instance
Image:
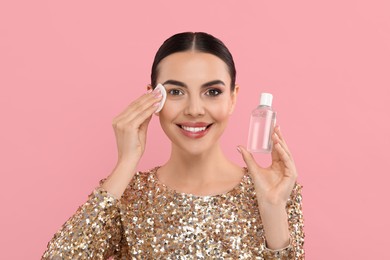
220,111
169,111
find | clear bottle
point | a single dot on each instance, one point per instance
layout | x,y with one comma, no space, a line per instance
261,127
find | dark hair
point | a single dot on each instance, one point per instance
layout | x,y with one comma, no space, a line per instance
198,41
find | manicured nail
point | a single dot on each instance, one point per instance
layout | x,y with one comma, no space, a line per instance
149,91
158,96
238,149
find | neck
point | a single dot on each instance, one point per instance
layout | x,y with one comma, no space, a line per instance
205,173
197,168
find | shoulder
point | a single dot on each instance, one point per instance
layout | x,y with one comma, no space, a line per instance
141,182
246,186
247,180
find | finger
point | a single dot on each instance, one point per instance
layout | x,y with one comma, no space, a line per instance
141,103
135,120
144,129
142,116
289,164
145,124
138,106
248,158
281,138
278,138
274,153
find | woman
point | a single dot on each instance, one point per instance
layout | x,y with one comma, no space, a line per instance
198,204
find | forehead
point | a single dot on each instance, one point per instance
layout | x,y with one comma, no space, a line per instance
192,65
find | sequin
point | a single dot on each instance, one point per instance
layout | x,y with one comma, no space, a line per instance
152,221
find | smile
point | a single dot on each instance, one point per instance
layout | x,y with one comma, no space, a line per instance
195,130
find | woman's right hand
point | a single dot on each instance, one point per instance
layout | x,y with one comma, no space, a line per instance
130,127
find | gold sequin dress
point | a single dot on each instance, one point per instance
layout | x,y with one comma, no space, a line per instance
152,221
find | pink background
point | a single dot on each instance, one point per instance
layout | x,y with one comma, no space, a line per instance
69,67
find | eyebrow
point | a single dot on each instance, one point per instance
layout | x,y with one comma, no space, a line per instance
205,85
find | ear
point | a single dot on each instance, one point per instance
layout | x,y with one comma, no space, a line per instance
234,94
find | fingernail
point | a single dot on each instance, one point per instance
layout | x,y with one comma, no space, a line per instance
149,91
158,96
156,104
238,149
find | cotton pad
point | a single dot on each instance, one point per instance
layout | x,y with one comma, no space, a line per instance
164,96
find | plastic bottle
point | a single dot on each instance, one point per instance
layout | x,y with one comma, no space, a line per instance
261,127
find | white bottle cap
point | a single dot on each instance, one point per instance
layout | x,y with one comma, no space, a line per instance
266,99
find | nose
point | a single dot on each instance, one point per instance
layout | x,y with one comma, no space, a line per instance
194,107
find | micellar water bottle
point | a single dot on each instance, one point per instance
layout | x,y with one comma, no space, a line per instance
261,127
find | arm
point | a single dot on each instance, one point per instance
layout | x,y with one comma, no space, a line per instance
93,232
278,197
130,129
287,223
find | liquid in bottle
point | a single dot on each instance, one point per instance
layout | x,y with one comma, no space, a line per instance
261,127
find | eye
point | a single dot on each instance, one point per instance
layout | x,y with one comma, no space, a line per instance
175,92
213,92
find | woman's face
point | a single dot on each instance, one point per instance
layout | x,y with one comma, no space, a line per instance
199,99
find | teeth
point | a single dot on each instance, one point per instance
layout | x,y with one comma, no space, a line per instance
193,129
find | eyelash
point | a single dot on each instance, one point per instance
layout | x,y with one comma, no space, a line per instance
178,92
174,91
218,92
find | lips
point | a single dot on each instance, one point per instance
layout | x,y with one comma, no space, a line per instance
194,129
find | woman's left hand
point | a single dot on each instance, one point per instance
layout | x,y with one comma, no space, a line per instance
274,184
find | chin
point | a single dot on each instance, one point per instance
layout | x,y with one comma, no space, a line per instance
198,152
195,147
